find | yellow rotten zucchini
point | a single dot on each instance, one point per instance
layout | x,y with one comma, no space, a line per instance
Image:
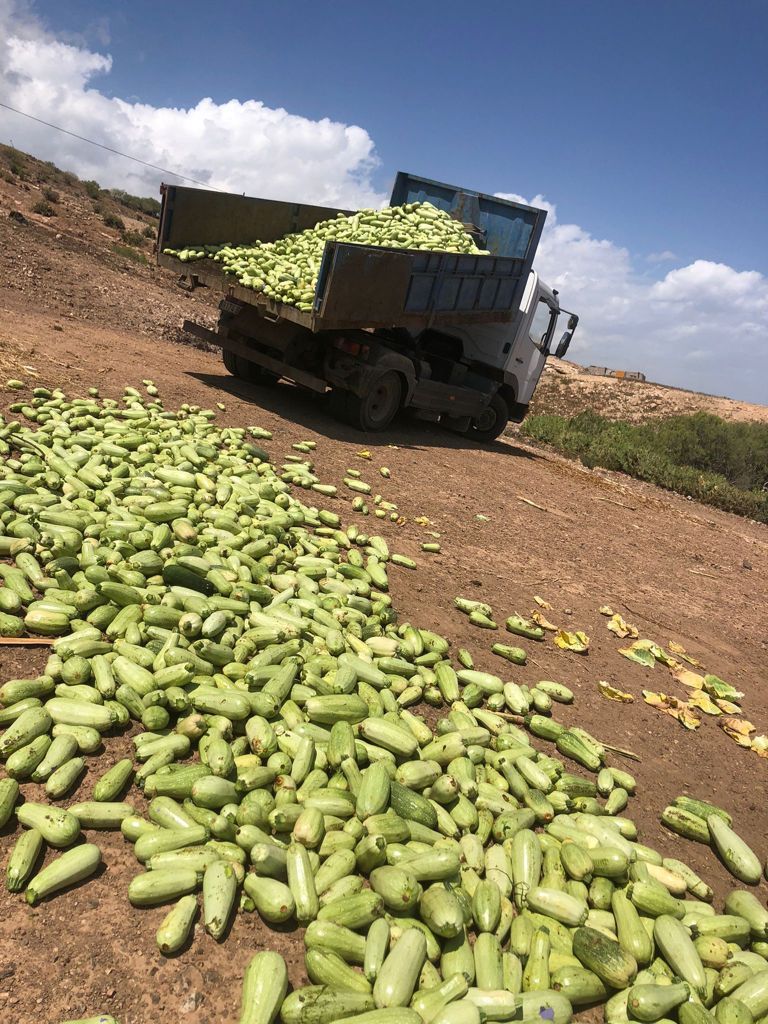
177,925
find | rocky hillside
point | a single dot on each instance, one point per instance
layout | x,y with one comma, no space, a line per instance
69,246
567,389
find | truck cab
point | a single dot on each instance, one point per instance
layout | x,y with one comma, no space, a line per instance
506,358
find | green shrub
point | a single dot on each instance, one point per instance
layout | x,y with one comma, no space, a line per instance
142,204
92,189
132,237
43,208
47,171
113,221
15,161
51,195
129,254
149,231
718,462
69,178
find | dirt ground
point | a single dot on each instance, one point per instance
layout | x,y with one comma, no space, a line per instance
673,568
74,313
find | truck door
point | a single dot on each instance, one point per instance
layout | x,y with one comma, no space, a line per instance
531,347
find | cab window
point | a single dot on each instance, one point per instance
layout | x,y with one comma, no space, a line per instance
542,325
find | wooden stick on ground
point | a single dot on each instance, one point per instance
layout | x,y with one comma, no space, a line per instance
541,508
624,753
26,641
632,508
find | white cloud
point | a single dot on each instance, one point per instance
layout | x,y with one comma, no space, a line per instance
665,256
239,146
702,326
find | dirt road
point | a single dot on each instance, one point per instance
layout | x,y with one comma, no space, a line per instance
675,569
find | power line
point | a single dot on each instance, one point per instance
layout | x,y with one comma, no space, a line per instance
109,149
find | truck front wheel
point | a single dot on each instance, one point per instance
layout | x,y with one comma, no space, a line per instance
491,421
376,409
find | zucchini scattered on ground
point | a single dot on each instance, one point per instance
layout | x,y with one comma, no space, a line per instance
253,641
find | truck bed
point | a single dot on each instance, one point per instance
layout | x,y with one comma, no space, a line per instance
363,286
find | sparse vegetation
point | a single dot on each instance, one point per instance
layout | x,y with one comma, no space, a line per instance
132,237
149,231
717,462
47,171
113,221
92,189
51,195
129,253
44,208
142,204
15,161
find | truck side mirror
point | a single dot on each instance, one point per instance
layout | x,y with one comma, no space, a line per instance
565,341
567,337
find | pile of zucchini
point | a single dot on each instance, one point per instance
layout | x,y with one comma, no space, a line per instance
287,270
456,874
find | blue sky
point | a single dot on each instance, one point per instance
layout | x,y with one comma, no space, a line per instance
643,119
640,125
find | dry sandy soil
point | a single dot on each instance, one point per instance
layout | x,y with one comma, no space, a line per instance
677,570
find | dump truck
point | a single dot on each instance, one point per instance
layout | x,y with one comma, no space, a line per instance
460,339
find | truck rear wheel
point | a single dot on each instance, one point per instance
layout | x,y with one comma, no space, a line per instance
244,369
230,361
491,421
376,409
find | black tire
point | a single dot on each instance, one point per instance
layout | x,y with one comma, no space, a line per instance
337,404
245,370
376,409
230,361
491,421
255,374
